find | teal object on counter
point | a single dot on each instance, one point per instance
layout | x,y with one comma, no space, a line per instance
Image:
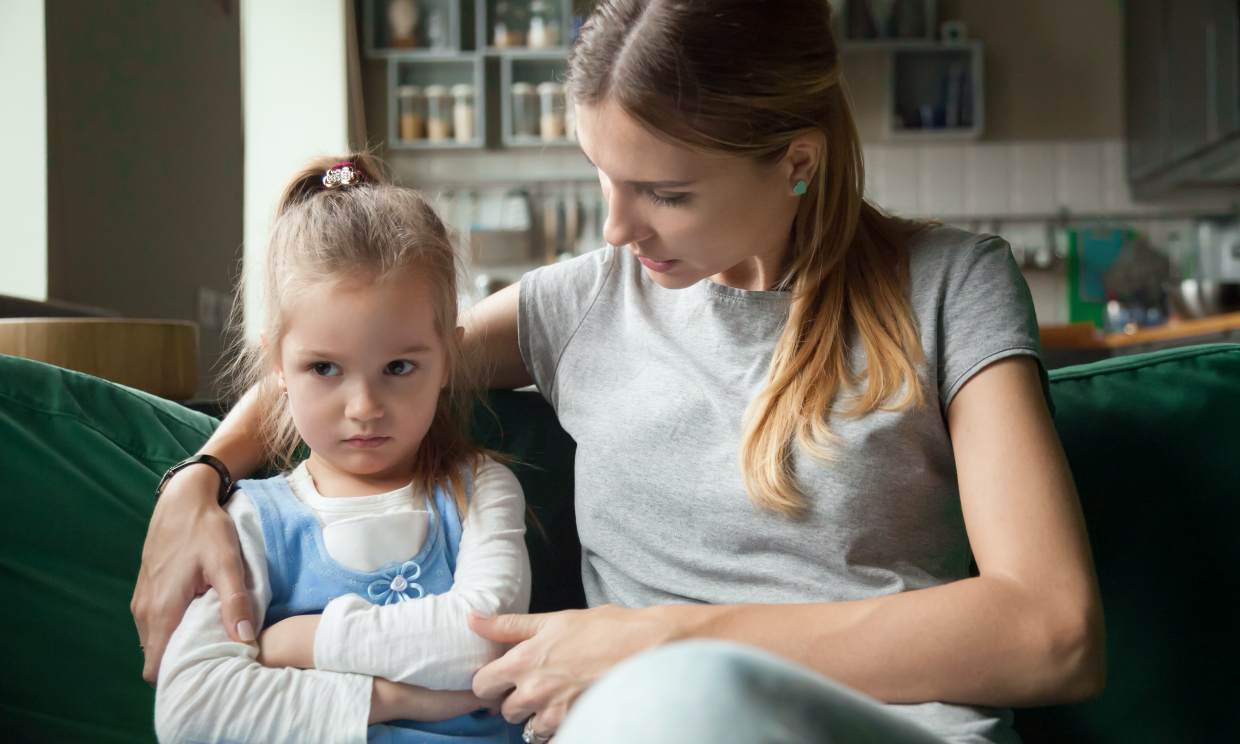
1152,440
1091,252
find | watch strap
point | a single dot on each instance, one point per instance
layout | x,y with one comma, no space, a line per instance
227,486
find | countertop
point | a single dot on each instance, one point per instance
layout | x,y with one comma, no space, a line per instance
1086,336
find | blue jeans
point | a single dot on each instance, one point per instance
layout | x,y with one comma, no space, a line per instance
699,692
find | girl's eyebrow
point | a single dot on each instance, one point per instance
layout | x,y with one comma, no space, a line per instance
415,349
645,184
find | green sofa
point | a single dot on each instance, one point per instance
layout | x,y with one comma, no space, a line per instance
1154,443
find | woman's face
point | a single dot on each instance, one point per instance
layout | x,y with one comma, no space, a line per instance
689,215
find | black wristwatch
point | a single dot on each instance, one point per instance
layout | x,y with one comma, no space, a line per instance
226,482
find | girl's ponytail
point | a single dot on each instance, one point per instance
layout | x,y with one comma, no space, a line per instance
308,182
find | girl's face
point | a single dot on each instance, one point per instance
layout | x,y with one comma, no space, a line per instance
363,368
689,215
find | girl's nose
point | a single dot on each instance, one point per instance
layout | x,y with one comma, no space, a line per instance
363,405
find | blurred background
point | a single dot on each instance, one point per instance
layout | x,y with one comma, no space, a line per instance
147,142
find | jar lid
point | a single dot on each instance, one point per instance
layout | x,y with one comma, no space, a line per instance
523,89
409,90
436,90
462,89
550,87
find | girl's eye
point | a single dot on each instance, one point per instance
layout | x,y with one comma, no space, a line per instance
401,367
668,201
325,369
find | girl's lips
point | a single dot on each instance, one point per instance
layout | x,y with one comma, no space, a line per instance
366,442
659,266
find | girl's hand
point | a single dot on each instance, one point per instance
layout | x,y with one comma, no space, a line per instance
560,654
289,643
391,701
191,544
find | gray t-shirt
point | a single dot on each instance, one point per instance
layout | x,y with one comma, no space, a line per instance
652,384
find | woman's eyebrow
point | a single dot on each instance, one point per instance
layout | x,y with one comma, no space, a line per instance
646,184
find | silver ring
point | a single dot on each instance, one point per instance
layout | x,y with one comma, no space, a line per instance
529,736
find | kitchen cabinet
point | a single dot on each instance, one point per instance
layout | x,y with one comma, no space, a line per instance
1147,70
1182,83
448,61
1223,68
935,86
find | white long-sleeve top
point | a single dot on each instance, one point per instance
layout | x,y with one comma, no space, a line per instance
211,688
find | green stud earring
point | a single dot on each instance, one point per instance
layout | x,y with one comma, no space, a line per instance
800,188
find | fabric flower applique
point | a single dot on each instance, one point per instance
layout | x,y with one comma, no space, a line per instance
397,586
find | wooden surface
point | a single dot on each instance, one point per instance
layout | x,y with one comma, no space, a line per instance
1086,336
158,356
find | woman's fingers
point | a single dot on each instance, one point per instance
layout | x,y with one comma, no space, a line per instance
157,610
494,680
507,628
227,575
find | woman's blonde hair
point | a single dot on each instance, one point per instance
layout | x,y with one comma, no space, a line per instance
373,232
746,78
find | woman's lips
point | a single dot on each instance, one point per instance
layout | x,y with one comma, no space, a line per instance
366,442
659,266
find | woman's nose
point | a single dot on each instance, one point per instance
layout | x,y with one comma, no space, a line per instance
624,224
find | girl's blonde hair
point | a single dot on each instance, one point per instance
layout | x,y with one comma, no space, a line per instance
746,78
373,232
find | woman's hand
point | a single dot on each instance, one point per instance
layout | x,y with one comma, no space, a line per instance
191,545
289,643
558,655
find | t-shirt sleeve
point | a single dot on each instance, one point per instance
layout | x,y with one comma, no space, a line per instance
554,300
987,314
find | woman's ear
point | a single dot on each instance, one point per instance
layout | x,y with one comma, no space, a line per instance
804,157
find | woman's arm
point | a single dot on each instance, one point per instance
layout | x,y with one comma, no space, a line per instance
491,340
1027,631
191,544
427,641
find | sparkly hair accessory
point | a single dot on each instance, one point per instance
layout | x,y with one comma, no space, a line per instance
342,174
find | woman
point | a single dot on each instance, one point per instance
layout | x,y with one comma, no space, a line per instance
797,420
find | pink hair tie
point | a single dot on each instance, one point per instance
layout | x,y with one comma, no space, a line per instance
344,173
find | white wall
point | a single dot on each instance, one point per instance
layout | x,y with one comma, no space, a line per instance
294,82
23,137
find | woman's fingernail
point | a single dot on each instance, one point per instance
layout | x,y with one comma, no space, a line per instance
246,631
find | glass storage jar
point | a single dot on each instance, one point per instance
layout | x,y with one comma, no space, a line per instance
438,113
544,25
524,110
551,105
412,106
463,112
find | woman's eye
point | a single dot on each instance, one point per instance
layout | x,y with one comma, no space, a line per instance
401,367
325,369
674,200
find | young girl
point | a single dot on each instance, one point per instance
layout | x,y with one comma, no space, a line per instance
360,360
